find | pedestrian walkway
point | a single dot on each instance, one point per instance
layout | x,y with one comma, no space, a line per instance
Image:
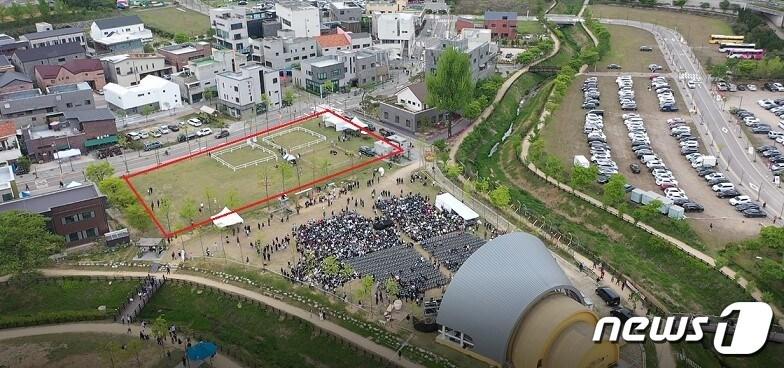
342,332
143,294
220,360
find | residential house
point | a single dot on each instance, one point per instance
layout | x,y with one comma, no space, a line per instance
462,23
231,29
55,37
9,144
74,71
152,91
9,45
301,17
178,56
239,94
13,81
502,24
129,69
77,213
25,60
364,66
313,73
125,34
82,130
8,188
199,75
396,28
261,23
5,64
385,6
348,14
410,109
474,42
38,108
341,41
284,51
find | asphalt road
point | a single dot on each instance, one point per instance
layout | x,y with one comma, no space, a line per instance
715,125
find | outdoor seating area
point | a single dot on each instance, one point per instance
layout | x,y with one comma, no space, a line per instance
419,219
453,249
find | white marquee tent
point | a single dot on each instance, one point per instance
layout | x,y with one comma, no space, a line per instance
448,202
231,219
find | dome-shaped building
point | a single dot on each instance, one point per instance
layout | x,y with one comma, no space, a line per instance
510,304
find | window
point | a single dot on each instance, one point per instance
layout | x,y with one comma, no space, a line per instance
236,89
61,60
236,26
274,80
397,119
70,219
72,237
408,123
386,115
91,232
87,102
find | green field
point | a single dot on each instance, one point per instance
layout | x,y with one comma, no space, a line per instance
249,332
31,301
203,179
525,26
174,20
625,45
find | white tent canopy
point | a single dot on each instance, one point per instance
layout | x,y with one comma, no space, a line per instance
73,152
339,124
448,202
231,219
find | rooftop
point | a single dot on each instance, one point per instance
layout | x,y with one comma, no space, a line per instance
6,174
11,76
7,128
324,61
333,40
44,131
4,61
52,33
45,202
345,5
123,57
62,88
295,4
117,22
75,66
499,15
48,52
19,95
84,116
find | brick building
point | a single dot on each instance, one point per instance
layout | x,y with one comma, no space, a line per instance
178,56
74,71
502,24
84,130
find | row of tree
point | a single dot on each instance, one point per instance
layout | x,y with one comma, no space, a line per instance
767,68
542,48
756,30
119,195
42,10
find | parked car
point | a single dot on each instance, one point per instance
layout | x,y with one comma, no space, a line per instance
222,134
691,84
692,207
622,313
149,146
204,132
754,213
635,168
194,122
751,87
727,193
608,295
367,151
156,133
174,128
740,200
646,48
720,187
614,66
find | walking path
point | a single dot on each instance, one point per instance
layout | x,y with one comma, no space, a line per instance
357,339
220,360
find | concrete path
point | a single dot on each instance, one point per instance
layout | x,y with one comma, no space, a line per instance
220,360
336,329
664,355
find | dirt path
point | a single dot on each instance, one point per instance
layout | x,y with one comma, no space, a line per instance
664,355
344,333
220,360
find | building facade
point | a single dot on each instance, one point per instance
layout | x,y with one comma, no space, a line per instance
313,73
178,56
410,110
12,81
125,34
33,107
152,91
282,52
78,213
9,144
55,37
385,6
396,28
26,60
240,93
231,29
299,16
8,188
85,130
364,66
345,11
129,69
199,75
481,53
501,24
75,71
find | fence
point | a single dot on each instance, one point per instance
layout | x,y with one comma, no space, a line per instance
319,138
248,143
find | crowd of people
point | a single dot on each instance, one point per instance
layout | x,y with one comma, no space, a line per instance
417,218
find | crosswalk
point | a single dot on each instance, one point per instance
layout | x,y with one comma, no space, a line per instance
690,76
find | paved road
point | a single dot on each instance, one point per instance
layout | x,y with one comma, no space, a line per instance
715,125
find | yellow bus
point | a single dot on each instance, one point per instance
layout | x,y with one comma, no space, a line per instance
725,39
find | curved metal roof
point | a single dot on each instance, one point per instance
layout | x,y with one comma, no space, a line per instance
491,292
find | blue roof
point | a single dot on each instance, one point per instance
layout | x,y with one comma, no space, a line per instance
498,15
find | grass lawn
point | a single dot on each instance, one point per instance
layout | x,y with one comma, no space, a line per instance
567,7
478,7
203,179
526,26
78,350
249,332
54,298
696,29
625,45
174,20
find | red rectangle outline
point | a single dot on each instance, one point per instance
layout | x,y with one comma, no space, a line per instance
170,234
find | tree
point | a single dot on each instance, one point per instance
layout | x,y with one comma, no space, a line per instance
165,208
147,111
679,3
328,86
117,192
3,13
614,192
265,100
43,8
148,48
482,185
501,197
23,163
25,242
392,287
648,211
724,4
366,289
160,328
454,170
98,171
188,211
134,347
285,172
210,94
330,266
473,109
111,351
232,199
773,236
181,37
288,98
16,11
718,70
583,176
590,56
553,167
347,271
137,217
450,88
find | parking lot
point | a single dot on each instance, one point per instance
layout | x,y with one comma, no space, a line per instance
747,100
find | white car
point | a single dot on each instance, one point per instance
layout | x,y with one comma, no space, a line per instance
766,104
164,129
195,122
713,176
751,87
144,134
691,84
780,140
134,136
723,186
156,133
204,132
740,200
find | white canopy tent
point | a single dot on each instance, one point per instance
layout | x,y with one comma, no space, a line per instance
448,202
68,153
339,124
231,219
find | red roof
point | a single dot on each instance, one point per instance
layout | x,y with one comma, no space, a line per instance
7,128
75,66
333,40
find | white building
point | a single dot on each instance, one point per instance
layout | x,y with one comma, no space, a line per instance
152,91
120,34
129,69
240,94
299,16
396,28
231,29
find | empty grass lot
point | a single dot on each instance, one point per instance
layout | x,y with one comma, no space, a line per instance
249,332
202,179
41,300
695,28
478,7
625,51
526,26
175,20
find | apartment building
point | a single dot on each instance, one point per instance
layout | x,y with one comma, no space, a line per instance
74,71
239,93
125,34
385,6
283,51
299,16
397,29
410,109
178,56
129,69
313,73
342,41
152,91
231,29
25,60
345,11
474,42
199,75
365,66
83,130
34,107
8,188
55,37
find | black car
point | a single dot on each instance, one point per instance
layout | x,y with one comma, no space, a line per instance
746,206
718,181
771,152
754,213
764,148
705,171
741,87
770,87
689,150
184,138
628,188
668,108
385,133
367,151
692,207
622,313
760,129
613,66
635,168
646,48
223,134
173,127
730,193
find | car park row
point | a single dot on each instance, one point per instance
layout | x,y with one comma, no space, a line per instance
664,92
601,154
